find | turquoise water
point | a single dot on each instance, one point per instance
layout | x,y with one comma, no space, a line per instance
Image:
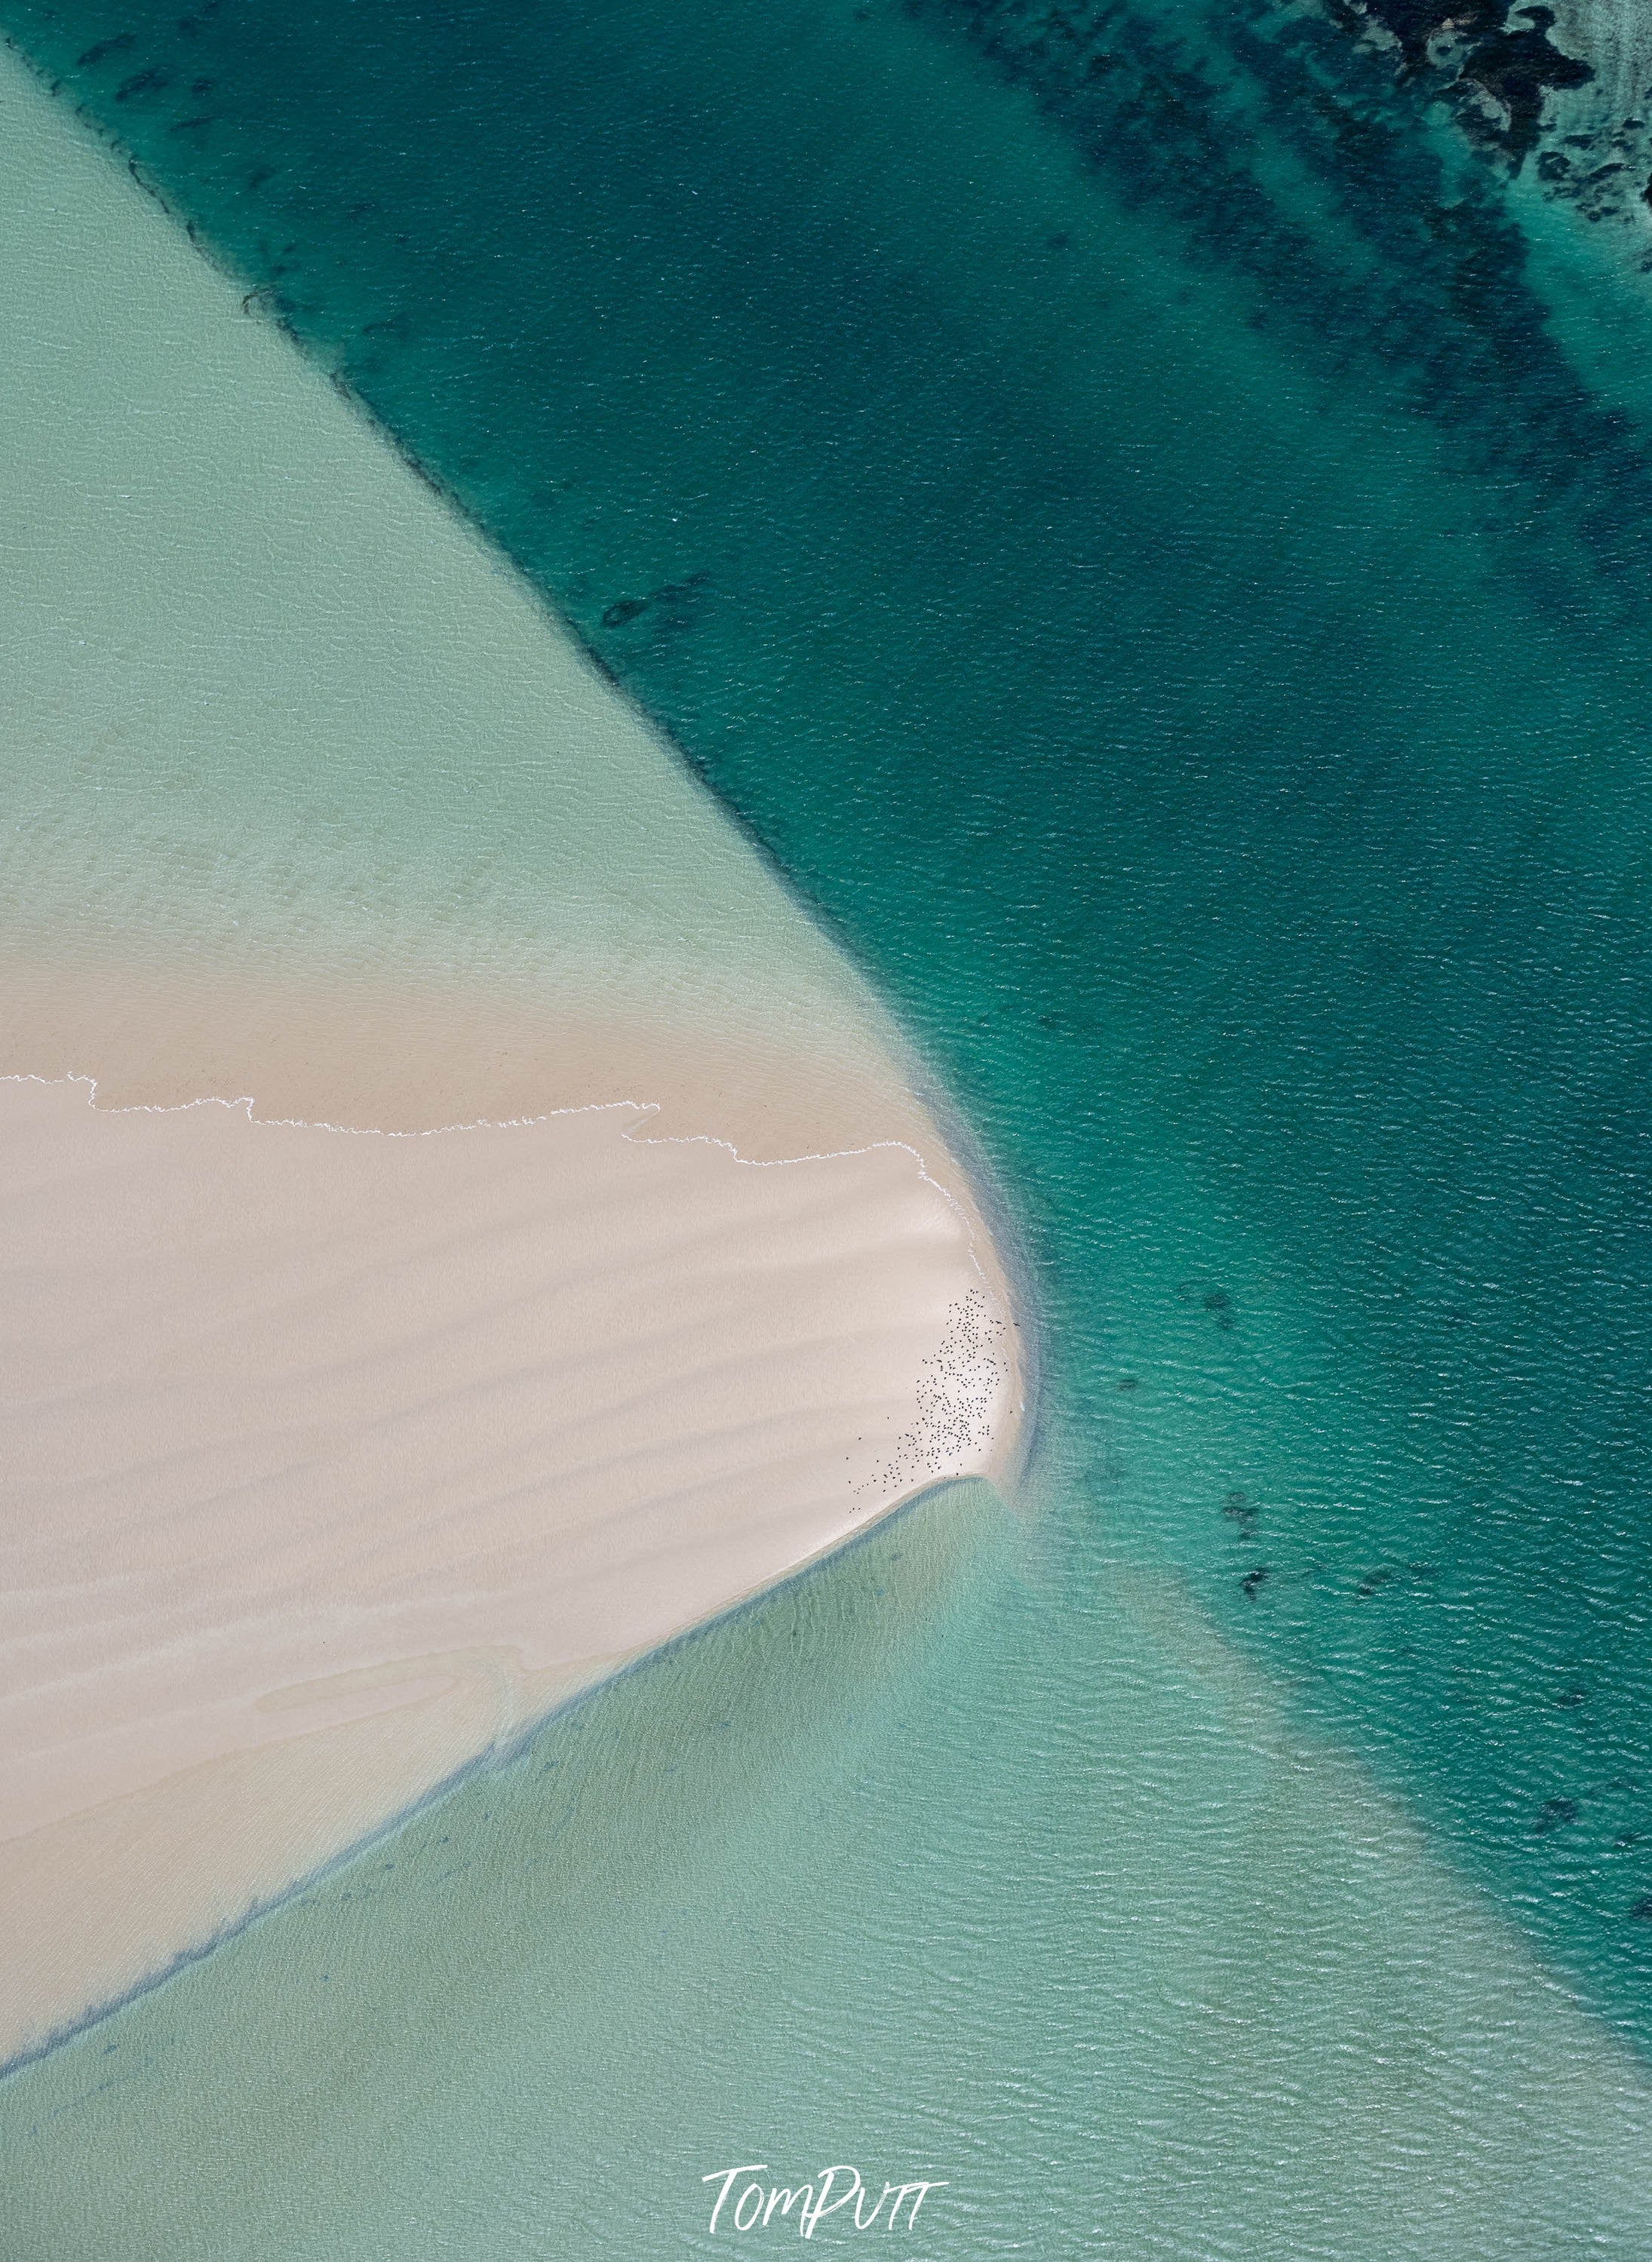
971,1858
1107,508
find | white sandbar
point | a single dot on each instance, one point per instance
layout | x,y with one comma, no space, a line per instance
333,1458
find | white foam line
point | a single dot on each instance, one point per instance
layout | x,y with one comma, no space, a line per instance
642,1108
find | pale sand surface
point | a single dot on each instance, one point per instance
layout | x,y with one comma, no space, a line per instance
334,1458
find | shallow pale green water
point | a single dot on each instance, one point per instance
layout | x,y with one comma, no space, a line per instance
948,1861
268,705
1130,545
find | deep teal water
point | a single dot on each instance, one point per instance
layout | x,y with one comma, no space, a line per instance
1096,493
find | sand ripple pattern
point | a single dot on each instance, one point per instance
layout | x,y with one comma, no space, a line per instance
340,1456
